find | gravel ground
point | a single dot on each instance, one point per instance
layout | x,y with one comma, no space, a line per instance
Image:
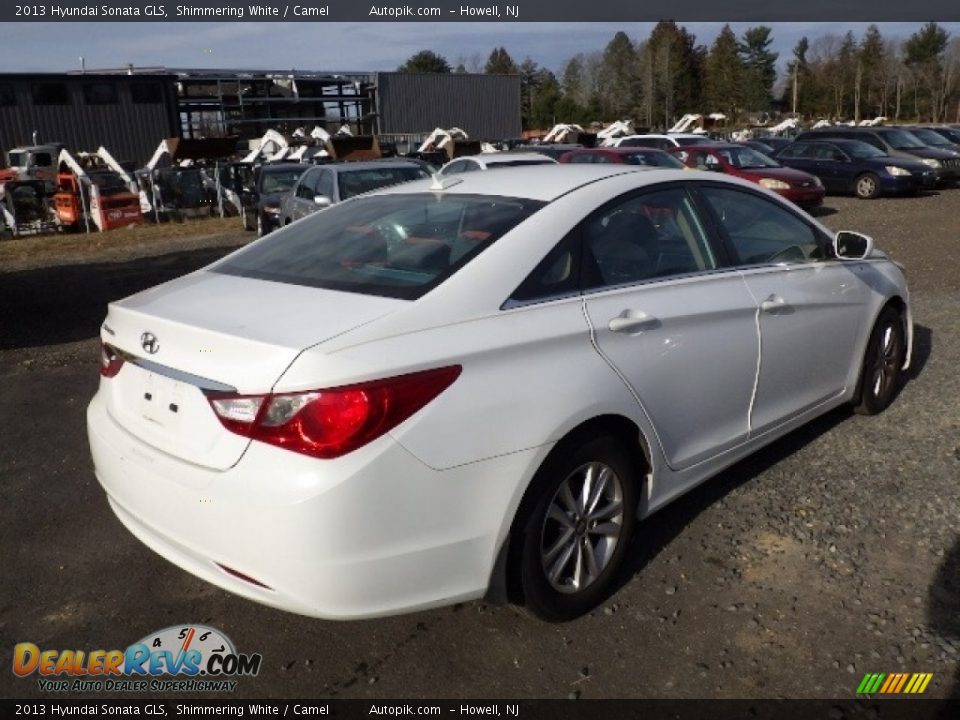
832,553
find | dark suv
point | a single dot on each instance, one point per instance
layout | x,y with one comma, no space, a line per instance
896,142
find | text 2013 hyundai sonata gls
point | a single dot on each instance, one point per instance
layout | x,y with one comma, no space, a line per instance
477,385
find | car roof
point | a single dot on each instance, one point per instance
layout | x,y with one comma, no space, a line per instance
349,166
491,158
714,146
535,182
278,167
630,150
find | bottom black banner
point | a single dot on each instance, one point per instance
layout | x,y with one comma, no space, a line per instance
866,709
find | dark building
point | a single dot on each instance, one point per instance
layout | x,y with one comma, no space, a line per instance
487,107
129,115
130,110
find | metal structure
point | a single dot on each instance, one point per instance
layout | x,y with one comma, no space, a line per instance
82,111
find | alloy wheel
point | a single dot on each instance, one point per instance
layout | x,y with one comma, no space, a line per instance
582,527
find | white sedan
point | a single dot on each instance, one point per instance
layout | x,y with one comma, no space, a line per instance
475,386
491,160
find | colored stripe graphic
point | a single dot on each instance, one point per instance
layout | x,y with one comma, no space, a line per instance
894,683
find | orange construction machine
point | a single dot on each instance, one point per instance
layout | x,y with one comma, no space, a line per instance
94,191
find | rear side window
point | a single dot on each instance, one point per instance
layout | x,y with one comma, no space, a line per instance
397,246
652,235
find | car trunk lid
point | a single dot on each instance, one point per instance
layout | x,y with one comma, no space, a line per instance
209,332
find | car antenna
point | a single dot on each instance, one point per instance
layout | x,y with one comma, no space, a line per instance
441,183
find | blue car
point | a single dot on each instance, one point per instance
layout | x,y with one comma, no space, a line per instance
851,166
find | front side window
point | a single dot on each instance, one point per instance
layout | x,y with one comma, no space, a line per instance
828,152
795,150
357,182
584,159
305,188
325,184
398,246
761,231
862,150
652,235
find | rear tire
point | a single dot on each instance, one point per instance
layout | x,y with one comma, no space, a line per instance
867,186
882,364
574,528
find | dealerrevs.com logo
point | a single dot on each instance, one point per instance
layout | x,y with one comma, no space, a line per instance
181,658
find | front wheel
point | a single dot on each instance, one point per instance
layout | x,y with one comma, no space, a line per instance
882,364
867,186
576,528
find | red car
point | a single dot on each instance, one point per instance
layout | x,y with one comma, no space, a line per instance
650,157
744,162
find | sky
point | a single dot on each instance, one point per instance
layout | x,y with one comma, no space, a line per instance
330,47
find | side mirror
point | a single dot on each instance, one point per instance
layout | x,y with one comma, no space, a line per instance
322,201
850,245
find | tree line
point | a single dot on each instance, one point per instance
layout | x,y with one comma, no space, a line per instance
656,80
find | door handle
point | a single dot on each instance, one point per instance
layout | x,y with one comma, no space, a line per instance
632,321
775,304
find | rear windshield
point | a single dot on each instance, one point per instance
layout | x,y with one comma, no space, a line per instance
518,163
398,246
693,141
653,159
279,181
357,182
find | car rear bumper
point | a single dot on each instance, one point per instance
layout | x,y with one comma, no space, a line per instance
374,533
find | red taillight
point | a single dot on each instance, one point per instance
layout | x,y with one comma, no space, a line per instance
110,360
334,422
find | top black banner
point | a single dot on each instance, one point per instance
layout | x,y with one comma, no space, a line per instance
462,11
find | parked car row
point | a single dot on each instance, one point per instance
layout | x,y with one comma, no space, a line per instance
864,161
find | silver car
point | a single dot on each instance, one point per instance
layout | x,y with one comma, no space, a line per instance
326,185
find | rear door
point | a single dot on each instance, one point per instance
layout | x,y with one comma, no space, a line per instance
675,324
809,307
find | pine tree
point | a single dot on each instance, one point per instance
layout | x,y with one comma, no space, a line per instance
724,75
425,61
500,63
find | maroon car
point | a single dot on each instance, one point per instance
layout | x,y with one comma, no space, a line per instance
744,162
649,157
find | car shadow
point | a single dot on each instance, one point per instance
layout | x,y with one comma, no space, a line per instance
67,303
659,530
943,608
822,211
662,528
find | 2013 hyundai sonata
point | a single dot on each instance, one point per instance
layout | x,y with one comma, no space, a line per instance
478,385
